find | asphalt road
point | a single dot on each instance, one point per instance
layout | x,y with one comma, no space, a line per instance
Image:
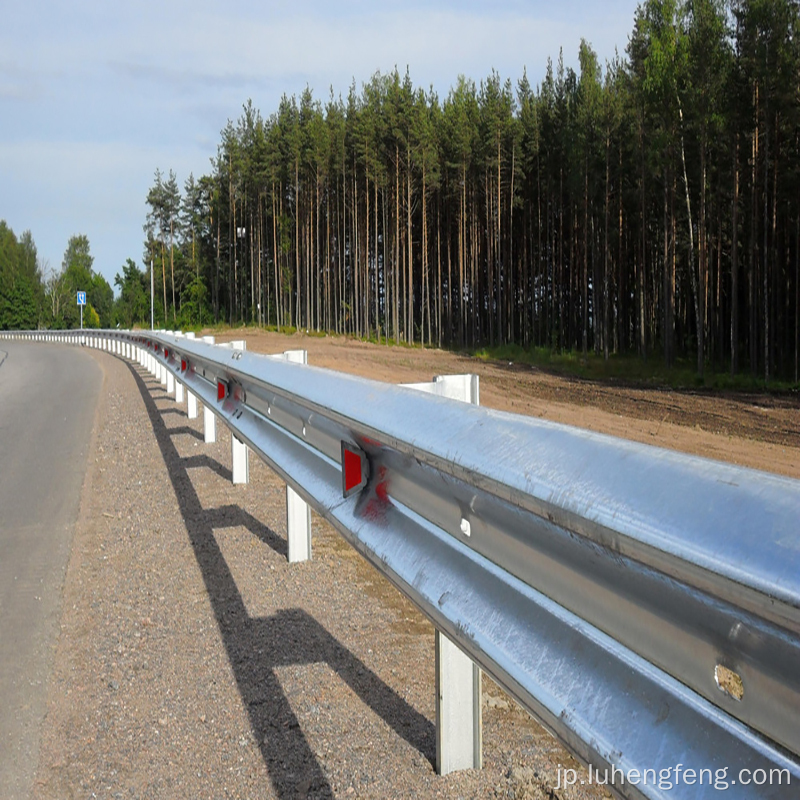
48,396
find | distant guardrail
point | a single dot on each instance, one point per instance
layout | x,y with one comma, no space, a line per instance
643,604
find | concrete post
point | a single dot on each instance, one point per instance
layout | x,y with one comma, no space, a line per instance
191,405
178,391
170,381
459,728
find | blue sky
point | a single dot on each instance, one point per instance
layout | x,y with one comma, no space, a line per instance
95,96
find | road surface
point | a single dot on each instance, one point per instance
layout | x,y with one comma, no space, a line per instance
48,396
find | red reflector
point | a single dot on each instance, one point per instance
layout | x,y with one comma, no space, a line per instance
166,353
355,469
222,390
183,365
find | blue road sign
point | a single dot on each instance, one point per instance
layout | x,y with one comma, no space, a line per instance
81,298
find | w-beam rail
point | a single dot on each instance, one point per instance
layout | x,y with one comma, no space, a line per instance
643,604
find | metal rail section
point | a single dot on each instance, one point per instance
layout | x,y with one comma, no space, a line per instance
642,603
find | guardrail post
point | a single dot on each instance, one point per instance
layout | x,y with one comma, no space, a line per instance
191,400
240,461
240,454
459,726
209,418
298,512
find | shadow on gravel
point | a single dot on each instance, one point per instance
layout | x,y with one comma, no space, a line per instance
177,411
186,431
235,517
197,462
256,647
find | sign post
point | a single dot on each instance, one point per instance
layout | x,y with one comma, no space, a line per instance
81,303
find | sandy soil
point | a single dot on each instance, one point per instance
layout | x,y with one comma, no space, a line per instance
761,431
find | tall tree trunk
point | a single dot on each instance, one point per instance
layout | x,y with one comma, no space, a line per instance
765,254
410,250
667,295
605,255
698,306
172,266
735,260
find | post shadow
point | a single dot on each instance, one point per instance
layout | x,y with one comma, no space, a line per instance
174,410
187,431
235,517
256,647
194,462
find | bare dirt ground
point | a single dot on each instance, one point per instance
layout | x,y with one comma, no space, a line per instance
761,431
195,662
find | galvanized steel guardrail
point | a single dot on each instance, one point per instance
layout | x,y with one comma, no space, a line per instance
642,603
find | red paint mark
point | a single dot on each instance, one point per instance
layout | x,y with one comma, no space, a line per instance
375,508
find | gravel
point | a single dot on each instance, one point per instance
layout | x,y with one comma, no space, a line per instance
195,662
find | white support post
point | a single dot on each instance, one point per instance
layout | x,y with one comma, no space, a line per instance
170,381
240,455
240,461
191,405
163,371
459,727
298,526
178,391
209,420
298,512
209,426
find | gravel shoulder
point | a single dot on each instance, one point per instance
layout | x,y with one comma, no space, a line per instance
194,662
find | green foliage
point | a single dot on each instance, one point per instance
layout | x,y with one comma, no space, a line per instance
195,312
77,274
133,304
91,319
21,291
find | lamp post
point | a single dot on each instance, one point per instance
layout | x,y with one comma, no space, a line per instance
240,234
151,294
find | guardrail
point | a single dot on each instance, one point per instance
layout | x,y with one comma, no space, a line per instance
643,604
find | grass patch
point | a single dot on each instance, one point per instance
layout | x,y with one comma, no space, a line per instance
630,369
